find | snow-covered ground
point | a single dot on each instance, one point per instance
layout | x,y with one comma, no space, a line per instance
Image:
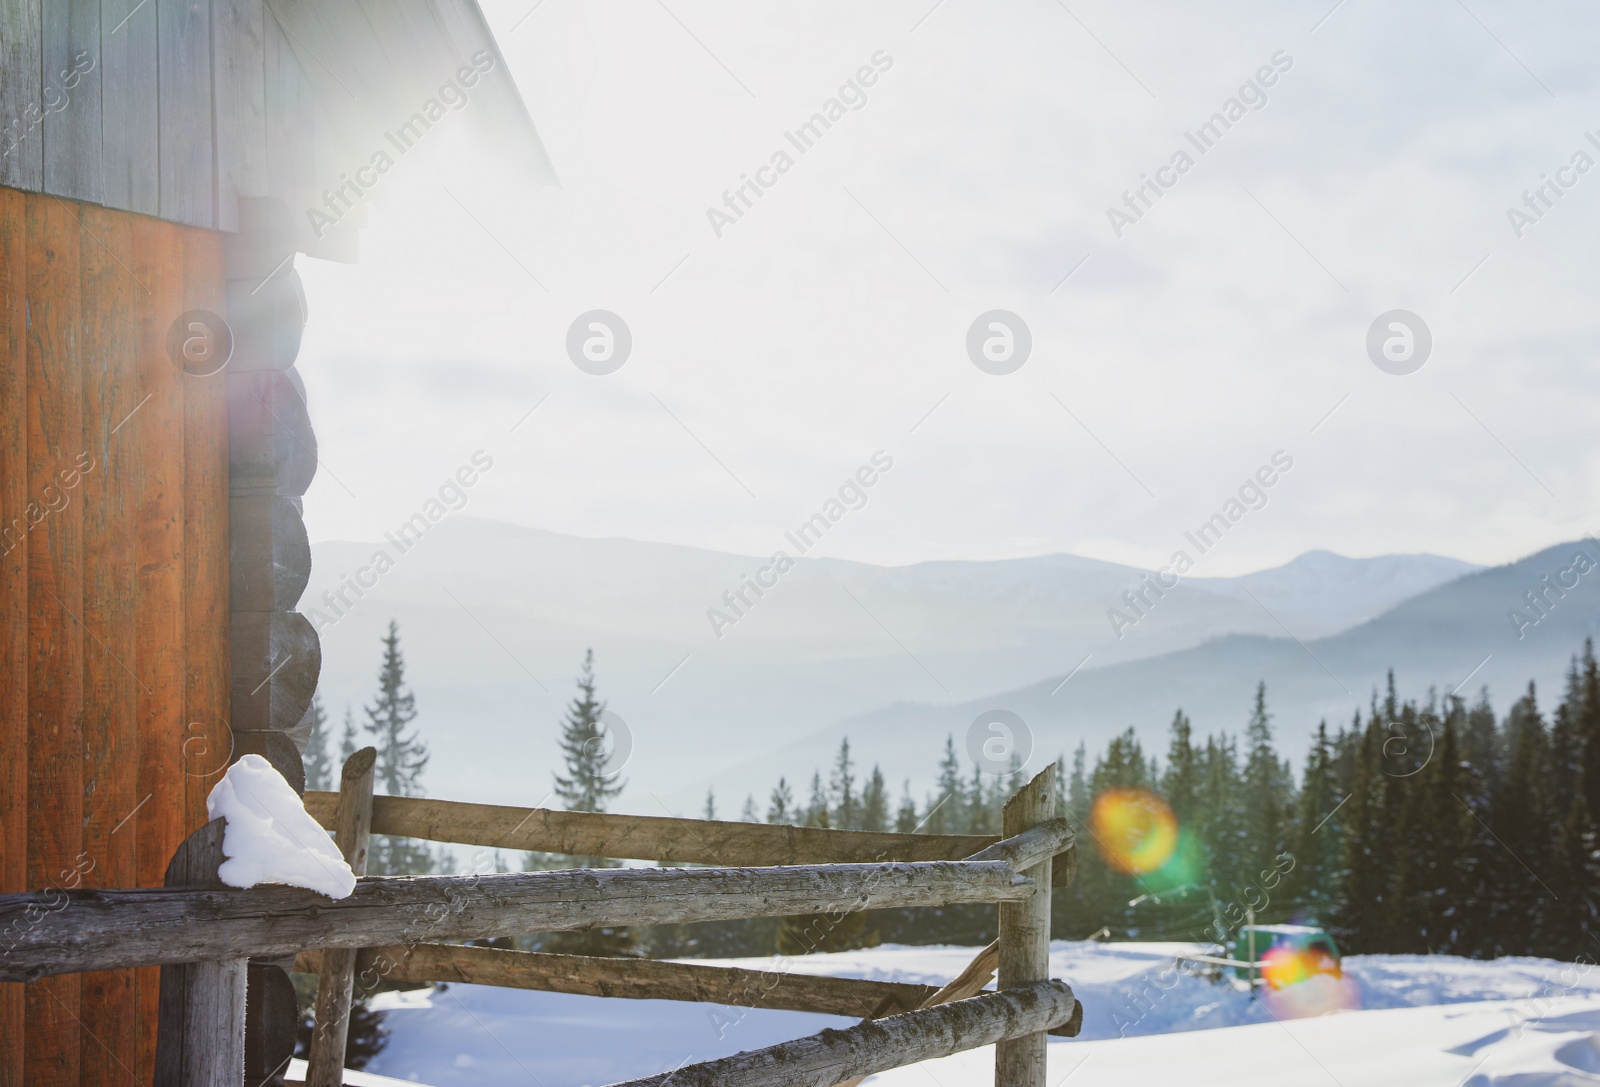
1402,1020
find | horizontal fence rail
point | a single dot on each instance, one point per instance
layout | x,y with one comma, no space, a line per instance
83,930
645,837
835,1056
634,979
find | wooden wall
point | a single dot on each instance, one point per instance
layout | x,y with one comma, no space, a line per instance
114,628
180,109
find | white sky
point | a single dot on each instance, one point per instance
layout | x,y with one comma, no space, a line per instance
832,318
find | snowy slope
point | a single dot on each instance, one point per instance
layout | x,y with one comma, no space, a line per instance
1427,1020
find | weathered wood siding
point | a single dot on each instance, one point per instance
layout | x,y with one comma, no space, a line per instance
182,108
113,596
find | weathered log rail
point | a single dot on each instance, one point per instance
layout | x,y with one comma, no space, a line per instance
401,929
834,1056
112,930
633,979
665,839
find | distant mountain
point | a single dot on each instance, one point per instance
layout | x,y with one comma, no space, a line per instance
495,619
1476,631
1325,592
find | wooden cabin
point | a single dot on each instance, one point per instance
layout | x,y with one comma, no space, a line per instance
162,163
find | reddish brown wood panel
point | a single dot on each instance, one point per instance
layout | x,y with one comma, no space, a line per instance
109,1048
55,602
205,542
113,596
13,597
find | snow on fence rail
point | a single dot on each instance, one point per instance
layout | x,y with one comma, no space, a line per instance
203,934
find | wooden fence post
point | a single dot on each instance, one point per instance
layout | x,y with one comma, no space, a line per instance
200,1033
335,982
1025,934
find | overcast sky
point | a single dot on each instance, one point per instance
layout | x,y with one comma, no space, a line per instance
830,321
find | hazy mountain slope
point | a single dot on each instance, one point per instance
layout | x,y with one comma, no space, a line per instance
1328,592
1437,639
495,619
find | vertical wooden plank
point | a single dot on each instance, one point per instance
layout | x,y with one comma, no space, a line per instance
1025,934
202,1003
238,30
111,305
13,596
130,106
71,97
157,483
325,1067
205,542
183,50
21,94
55,602
289,121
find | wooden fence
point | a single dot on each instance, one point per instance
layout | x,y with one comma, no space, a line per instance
205,935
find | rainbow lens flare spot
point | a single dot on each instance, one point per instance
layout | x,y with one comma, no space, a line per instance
1306,981
1135,829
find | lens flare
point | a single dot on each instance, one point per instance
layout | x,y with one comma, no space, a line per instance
1136,831
1306,981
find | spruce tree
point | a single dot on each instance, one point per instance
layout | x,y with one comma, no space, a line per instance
1479,780
905,820
945,812
817,803
780,807
318,762
1575,882
1266,808
587,785
1221,821
1588,730
748,814
1316,850
975,802
402,757
1566,743
842,786
347,740
1521,820
709,812
875,803
1363,882
1078,796
1181,783
1428,842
